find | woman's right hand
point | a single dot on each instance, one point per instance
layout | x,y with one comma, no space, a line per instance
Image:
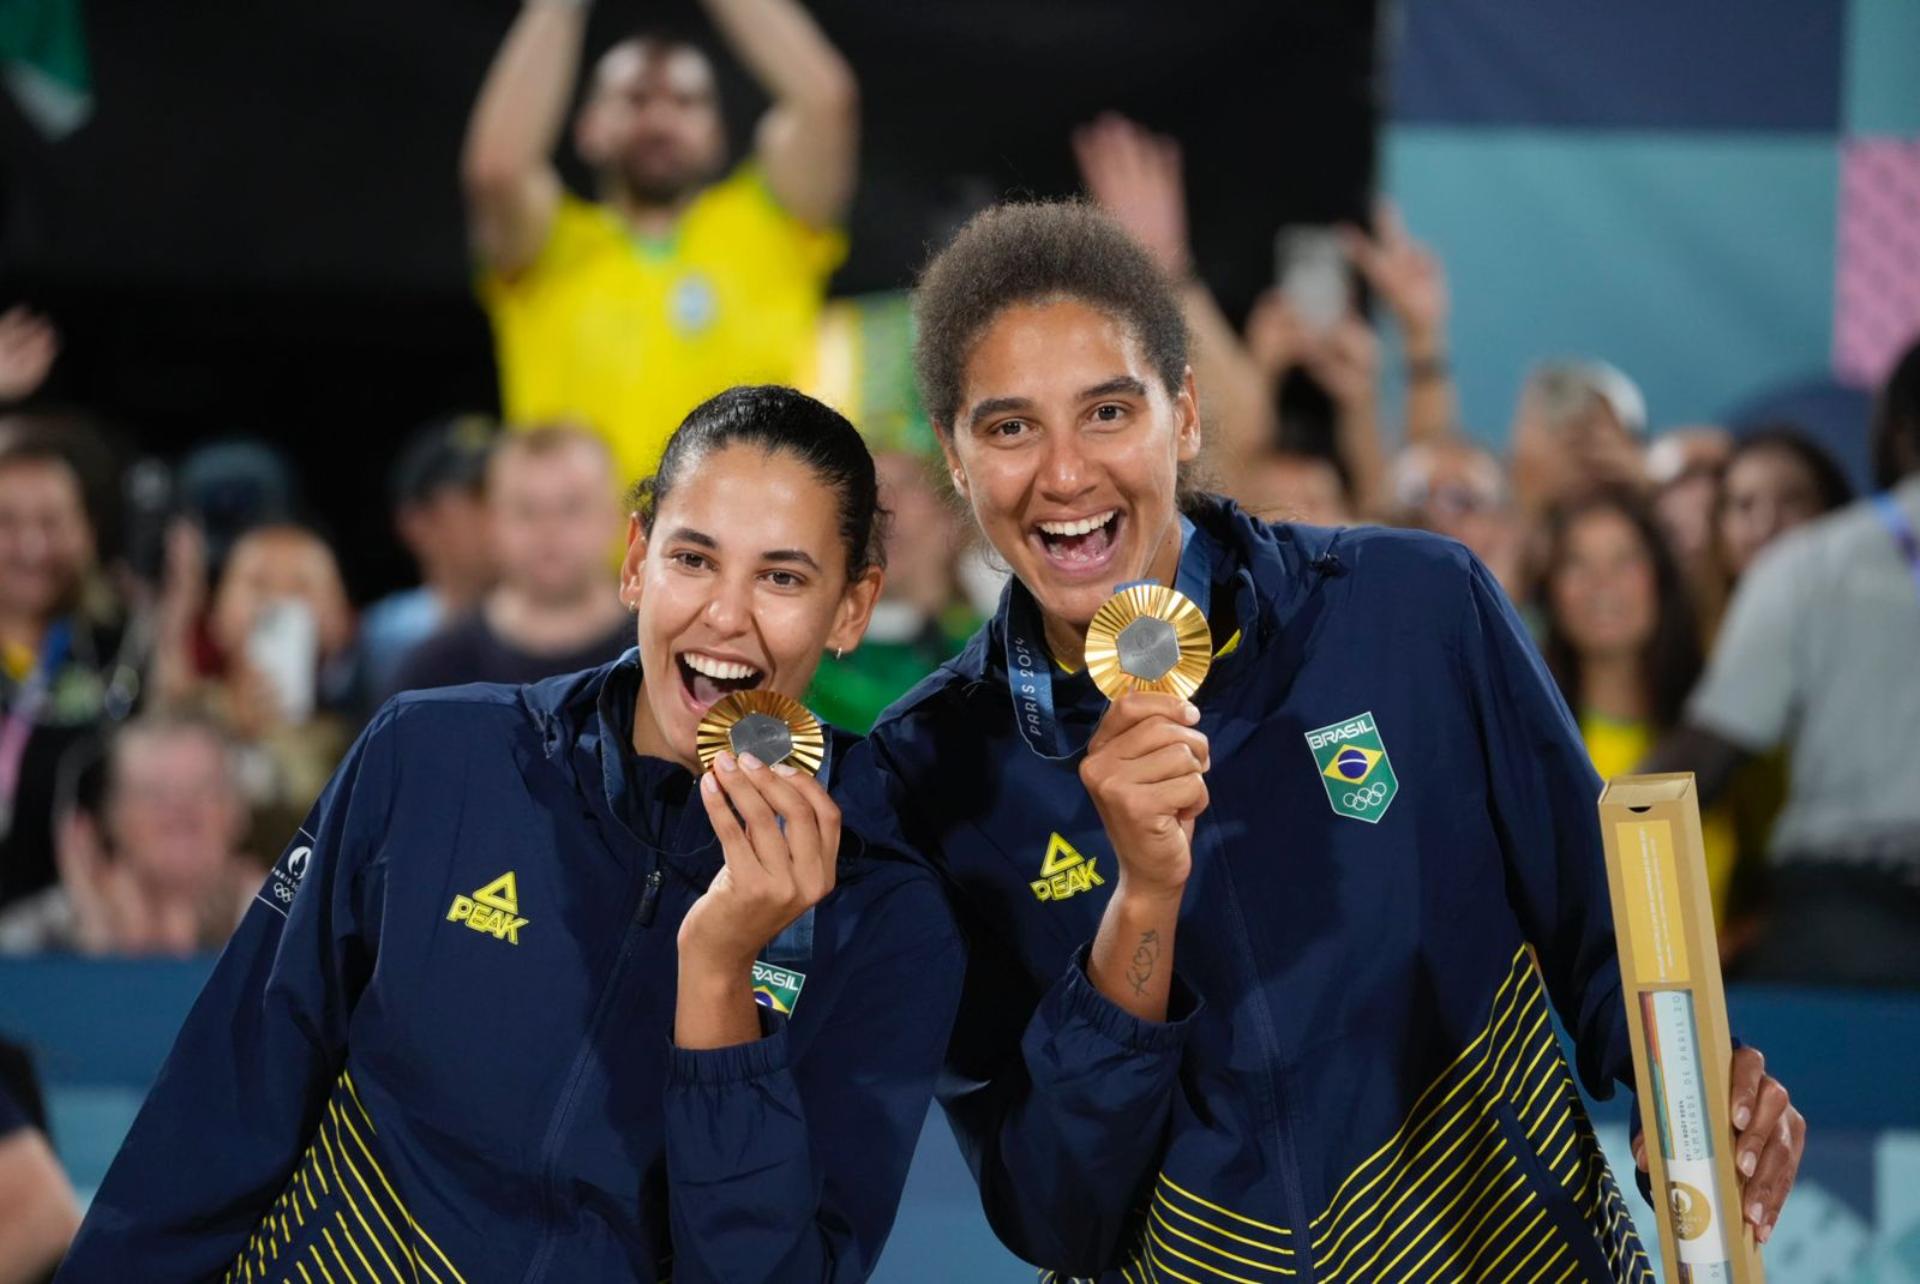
1145,771
779,837
780,840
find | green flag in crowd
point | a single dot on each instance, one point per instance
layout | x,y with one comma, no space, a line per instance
43,61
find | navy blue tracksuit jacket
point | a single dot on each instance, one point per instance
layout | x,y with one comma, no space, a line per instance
439,1046
1400,871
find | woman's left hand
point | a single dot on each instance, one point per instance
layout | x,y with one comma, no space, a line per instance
780,837
1769,1137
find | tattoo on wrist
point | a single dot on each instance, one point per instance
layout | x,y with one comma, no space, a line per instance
1146,956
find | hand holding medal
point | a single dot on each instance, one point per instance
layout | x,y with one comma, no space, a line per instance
1148,649
779,835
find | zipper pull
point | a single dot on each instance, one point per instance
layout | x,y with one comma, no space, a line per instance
649,899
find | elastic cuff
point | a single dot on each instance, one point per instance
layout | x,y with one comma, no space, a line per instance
740,1062
1074,998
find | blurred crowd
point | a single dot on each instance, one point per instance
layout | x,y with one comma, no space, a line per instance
182,664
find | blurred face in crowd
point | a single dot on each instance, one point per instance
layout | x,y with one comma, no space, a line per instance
652,123
450,536
924,537
279,564
1769,491
554,515
742,585
174,813
1285,486
46,544
1458,490
1067,445
1603,590
1455,490
1684,466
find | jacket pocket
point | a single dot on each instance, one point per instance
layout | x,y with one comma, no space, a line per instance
1567,1217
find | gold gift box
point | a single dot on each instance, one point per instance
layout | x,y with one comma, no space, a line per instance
1677,1018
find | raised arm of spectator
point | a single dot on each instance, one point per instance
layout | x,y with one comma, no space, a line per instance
1236,392
1136,177
28,345
512,188
1410,279
1345,360
808,143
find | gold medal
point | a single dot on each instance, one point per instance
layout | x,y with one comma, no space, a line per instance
770,726
1149,638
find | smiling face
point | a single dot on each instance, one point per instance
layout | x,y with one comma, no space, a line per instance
175,813
45,542
742,584
1604,590
652,122
1067,445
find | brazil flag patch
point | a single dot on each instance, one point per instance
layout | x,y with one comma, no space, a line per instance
1355,768
777,987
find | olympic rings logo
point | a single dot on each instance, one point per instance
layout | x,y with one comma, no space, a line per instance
1366,799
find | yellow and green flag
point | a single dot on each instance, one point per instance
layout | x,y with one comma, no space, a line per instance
43,63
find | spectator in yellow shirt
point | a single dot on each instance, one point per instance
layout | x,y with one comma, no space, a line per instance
1622,645
682,277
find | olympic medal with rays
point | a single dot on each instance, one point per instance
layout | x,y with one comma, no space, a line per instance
1148,637
772,727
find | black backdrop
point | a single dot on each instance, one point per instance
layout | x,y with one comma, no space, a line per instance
259,230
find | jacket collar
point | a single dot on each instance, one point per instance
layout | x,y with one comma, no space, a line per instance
586,721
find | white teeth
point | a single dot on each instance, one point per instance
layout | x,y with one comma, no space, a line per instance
1081,527
723,670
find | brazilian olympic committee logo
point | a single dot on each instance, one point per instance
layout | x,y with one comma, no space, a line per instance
1355,768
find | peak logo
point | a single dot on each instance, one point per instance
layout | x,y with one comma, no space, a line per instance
1064,872
493,909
